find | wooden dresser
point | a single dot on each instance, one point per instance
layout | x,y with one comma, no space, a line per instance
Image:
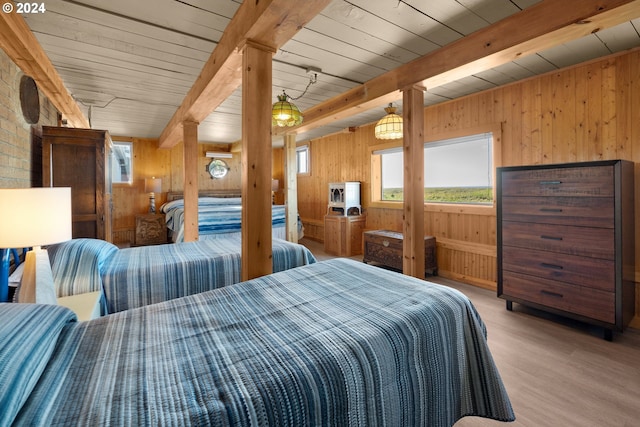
566,240
385,247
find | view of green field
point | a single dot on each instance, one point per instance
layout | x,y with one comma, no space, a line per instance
446,194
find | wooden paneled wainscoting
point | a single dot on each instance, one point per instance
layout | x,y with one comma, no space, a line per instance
124,236
313,229
465,238
467,262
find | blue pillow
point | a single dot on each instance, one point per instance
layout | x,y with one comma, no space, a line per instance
28,333
77,265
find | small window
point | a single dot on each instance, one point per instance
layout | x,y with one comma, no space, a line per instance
457,170
122,163
302,159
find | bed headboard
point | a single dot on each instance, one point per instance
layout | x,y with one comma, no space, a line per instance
177,195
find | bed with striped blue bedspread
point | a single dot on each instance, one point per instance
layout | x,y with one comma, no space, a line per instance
134,277
216,217
335,343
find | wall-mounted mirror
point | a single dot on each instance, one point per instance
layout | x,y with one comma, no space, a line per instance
217,168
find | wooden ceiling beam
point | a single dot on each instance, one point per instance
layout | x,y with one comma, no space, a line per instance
267,22
541,26
19,43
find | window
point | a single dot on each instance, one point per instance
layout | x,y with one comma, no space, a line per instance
302,159
457,170
121,164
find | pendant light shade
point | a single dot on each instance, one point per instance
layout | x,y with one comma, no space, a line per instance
390,126
284,113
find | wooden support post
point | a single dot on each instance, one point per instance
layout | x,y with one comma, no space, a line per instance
413,145
291,187
256,161
190,179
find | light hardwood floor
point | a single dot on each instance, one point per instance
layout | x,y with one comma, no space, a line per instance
557,372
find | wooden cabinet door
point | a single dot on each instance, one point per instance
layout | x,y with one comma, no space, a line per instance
76,158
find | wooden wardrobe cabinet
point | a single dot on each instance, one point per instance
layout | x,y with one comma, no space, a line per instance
81,159
566,240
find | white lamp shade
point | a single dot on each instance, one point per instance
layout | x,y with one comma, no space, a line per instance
153,185
34,216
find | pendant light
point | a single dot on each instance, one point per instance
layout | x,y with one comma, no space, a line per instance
390,126
285,113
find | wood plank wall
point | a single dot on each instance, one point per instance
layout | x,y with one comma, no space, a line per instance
335,158
149,161
584,113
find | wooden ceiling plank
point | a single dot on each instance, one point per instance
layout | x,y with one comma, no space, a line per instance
64,13
138,48
270,23
19,43
543,25
174,15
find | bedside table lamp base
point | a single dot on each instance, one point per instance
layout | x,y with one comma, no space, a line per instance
152,203
37,279
152,185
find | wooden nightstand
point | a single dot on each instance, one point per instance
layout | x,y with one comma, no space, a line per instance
343,234
150,230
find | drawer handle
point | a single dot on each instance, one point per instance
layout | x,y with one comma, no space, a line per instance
550,182
385,243
550,210
550,237
551,294
552,266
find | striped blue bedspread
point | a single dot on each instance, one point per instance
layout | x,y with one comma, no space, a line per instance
134,277
335,343
215,216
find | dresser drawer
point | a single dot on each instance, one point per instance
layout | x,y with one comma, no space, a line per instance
578,181
565,239
588,302
580,241
580,211
589,272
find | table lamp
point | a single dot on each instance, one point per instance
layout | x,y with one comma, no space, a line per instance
152,185
31,218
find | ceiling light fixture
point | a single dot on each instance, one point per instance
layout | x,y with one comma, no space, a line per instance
390,126
285,113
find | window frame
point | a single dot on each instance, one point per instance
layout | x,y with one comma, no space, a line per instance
376,171
307,149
